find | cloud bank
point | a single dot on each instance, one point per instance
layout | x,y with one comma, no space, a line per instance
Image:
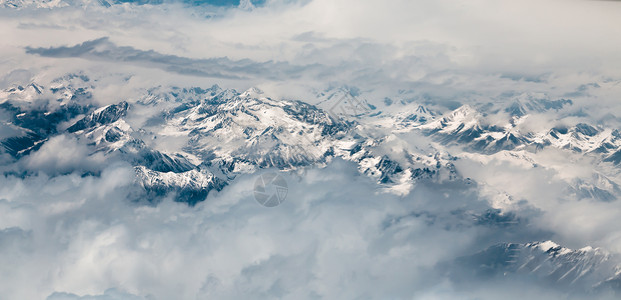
330,239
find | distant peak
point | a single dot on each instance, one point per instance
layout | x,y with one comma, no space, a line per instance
245,5
252,92
422,110
516,109
545,246
464,111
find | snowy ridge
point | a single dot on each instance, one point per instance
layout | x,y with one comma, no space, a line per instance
101,116
406,121
585,269
224,133
533,103
251,131
230,133
19,4
191,186
35,116
21,93
468,128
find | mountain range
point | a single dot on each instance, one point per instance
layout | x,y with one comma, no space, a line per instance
185,142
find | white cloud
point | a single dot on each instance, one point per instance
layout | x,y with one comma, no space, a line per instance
63,154
328,239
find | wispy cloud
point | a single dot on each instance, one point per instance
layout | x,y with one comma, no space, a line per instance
104,50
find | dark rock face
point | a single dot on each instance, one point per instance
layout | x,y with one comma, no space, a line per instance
103,116
586,129
35,125
22,145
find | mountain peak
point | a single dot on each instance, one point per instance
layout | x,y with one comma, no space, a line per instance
423,110
245,5
464,111
252,92
104,115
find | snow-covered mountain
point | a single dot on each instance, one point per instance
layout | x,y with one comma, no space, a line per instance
19,4
221,133
547,263
494,134
473,130
184,142
530,103
224,133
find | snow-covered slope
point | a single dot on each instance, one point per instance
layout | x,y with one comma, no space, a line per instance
222,133
225,133
547,263
19,4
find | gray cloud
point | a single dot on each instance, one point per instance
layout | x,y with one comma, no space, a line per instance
110,294
103,49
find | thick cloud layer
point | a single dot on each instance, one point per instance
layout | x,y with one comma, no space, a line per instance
336,236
